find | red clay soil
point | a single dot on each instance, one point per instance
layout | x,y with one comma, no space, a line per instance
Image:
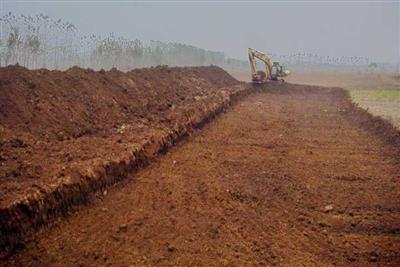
290,176
65,134
63,117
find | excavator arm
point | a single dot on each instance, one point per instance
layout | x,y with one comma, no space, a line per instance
253,54
252,61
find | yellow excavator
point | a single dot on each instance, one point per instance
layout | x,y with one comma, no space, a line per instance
273,71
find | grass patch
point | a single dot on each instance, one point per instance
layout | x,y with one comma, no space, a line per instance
380,102
376,95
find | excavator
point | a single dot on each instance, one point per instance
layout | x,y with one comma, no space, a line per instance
274,71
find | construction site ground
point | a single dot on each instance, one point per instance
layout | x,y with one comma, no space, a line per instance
285,177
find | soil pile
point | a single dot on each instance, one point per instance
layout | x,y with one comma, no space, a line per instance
56,105
81,129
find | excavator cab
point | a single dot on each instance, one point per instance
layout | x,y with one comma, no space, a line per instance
275,70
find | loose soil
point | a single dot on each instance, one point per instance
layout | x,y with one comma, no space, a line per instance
64,135
52,122
290,176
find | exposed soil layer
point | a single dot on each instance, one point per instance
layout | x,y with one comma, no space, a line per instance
66,134
290,176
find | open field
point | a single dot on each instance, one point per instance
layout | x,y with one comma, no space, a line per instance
349,80
382,102
379,93
289,175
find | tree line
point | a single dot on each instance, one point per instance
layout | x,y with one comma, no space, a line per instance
43,42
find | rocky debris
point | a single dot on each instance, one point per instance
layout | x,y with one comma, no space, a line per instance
123,228
171,248
328,208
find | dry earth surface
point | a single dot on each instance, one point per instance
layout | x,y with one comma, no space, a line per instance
379,93
54,124
66,134
286,177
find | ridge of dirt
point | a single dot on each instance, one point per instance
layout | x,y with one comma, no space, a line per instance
78,102
65,134
381,127
377,125
289,176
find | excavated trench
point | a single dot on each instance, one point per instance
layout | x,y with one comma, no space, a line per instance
51,162
291,174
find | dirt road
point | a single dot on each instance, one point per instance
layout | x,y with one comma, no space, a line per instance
284,178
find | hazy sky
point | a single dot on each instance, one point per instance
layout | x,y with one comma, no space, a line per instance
363,28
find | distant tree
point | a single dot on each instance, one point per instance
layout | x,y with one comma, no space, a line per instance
13,42
373,66
41,41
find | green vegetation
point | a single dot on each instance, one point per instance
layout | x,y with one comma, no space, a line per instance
43,42
380,102
376,95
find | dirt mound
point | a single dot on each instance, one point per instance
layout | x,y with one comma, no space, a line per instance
66,133
77,102
41,109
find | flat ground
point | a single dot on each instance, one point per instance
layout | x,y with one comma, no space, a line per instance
285,177
379,93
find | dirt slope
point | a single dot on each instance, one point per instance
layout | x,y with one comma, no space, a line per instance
287,177
67,134
64,105
379,93
52,120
